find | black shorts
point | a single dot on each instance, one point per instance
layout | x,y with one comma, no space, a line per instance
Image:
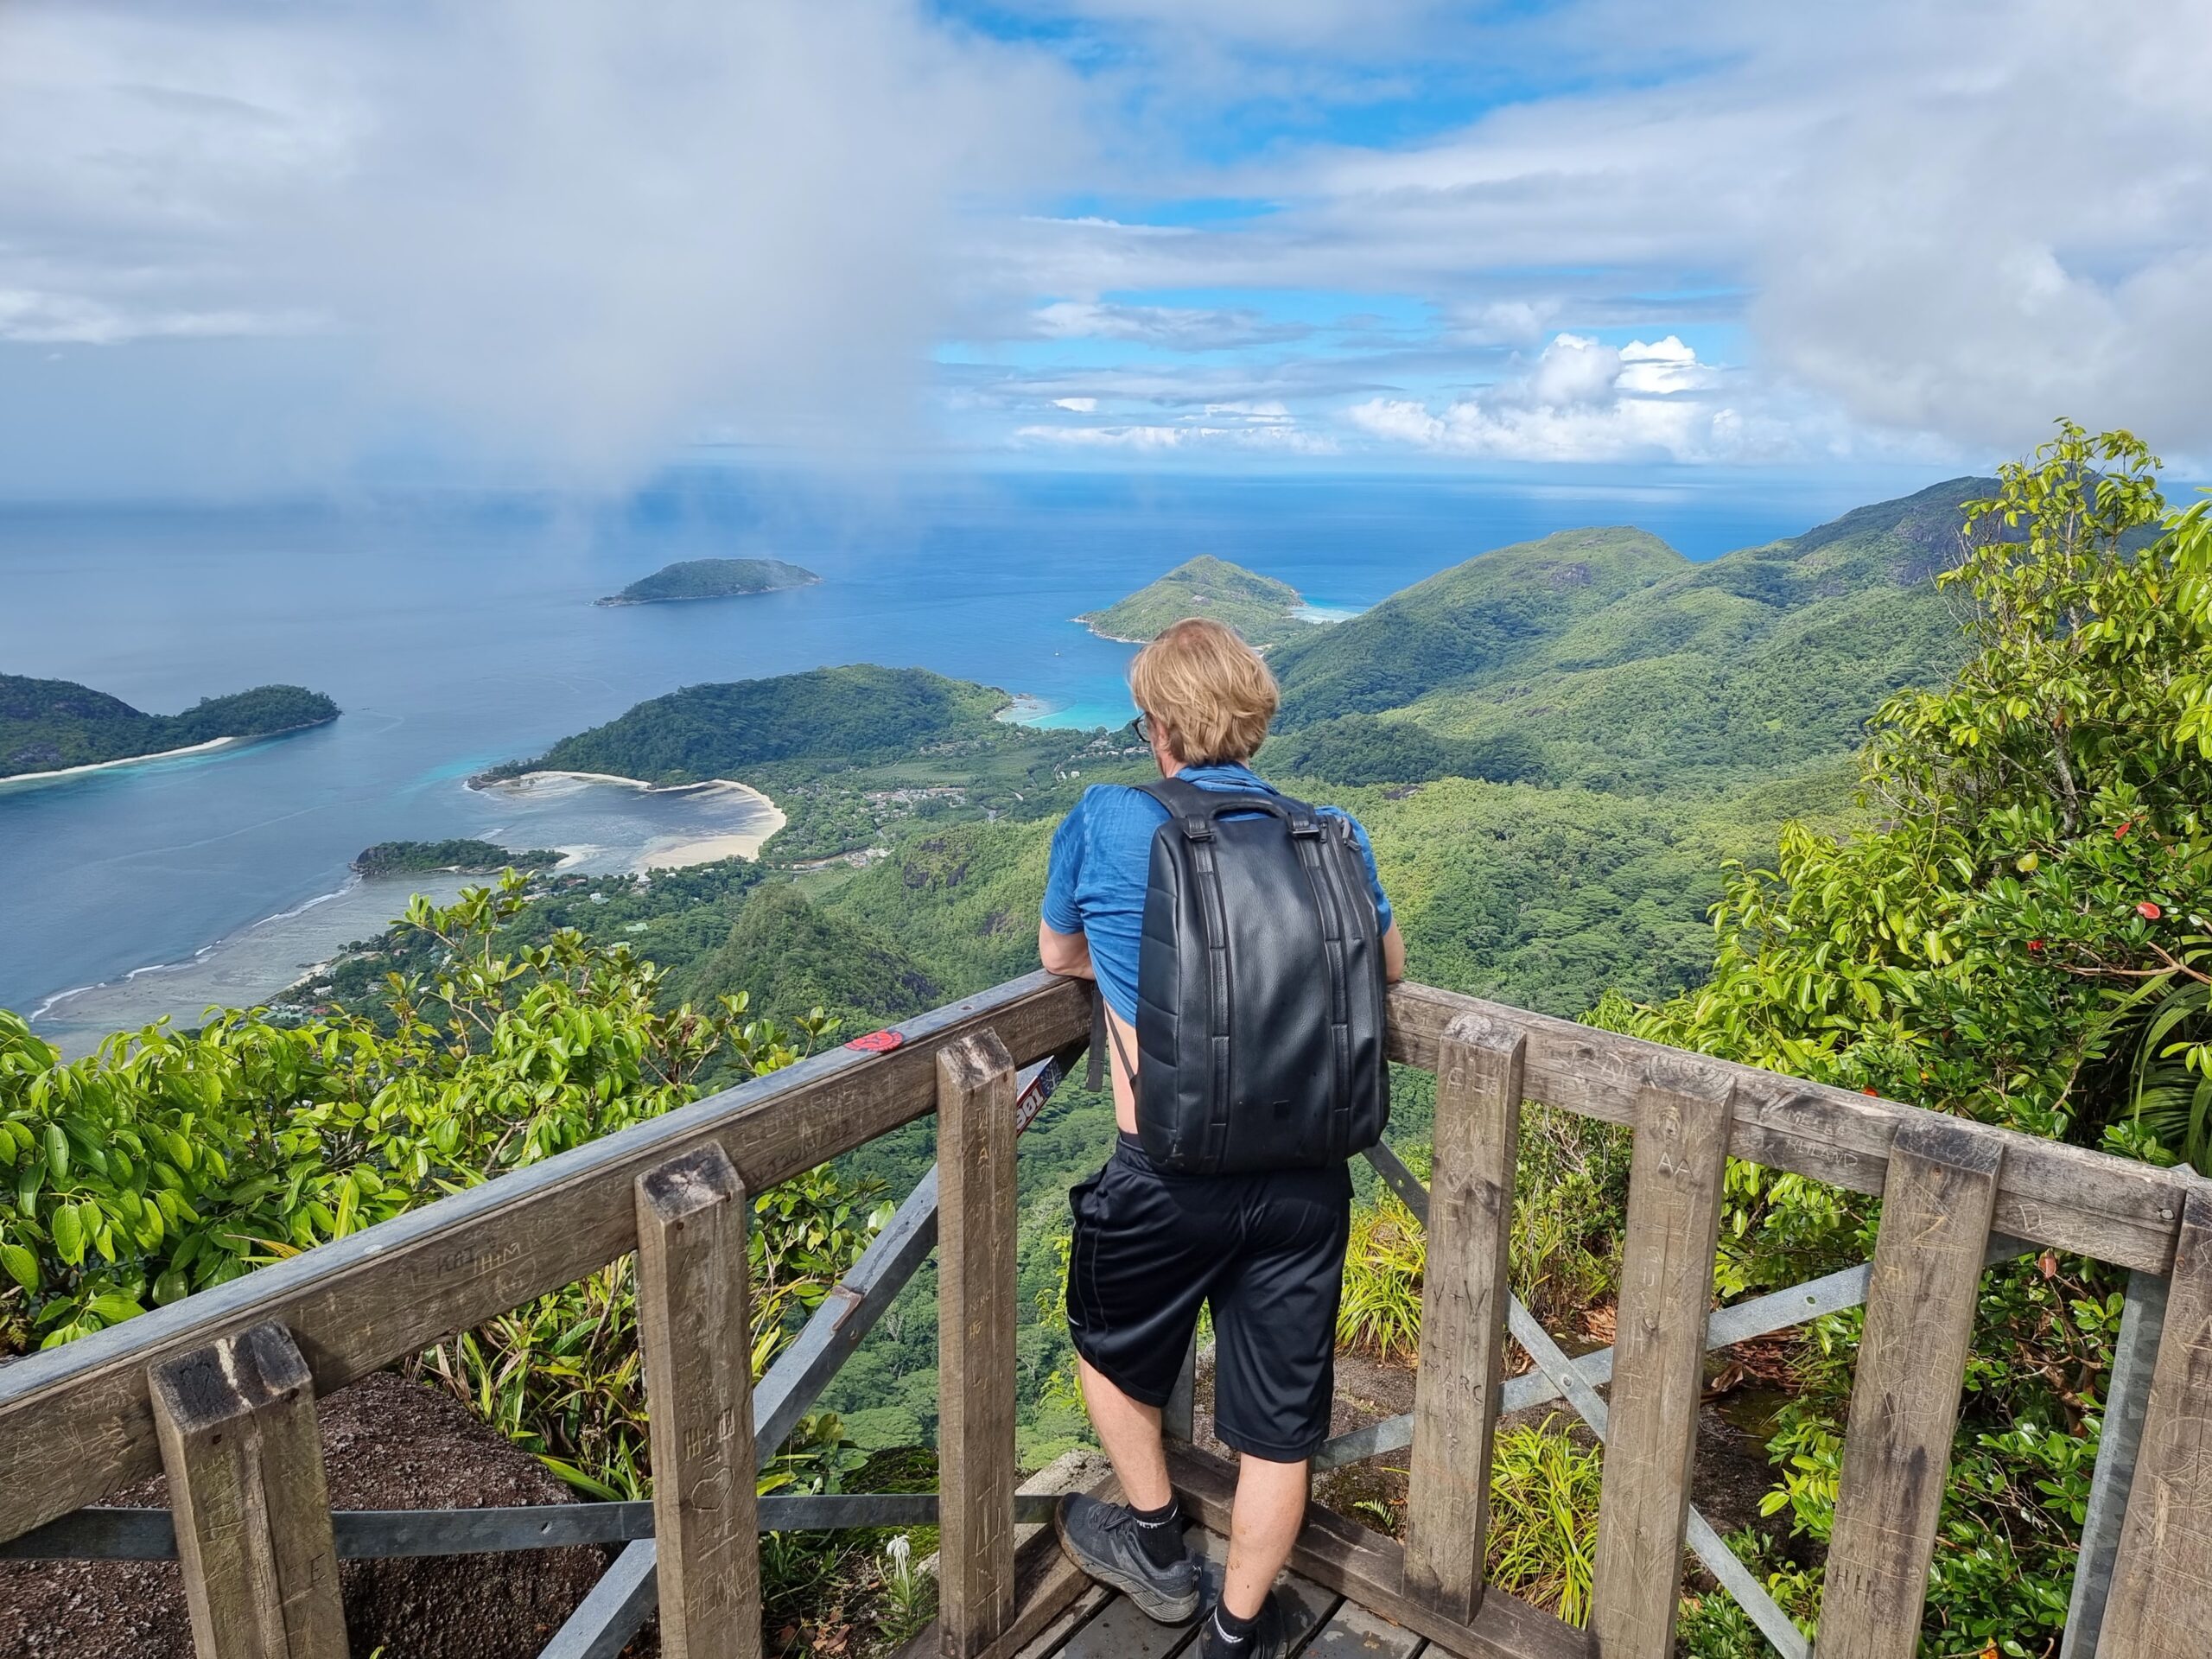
1267,1251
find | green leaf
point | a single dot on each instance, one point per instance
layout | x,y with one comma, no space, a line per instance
68,1235
57,1152
21,1265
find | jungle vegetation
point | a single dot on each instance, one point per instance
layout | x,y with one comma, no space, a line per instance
713,579
1264,611
48,725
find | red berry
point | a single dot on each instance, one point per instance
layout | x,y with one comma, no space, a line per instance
2149,911
2035,945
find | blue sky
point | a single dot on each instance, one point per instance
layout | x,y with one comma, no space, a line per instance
247,247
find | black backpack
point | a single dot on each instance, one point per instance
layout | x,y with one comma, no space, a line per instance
1260,988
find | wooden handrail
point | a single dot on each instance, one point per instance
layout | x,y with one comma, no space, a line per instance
77,1421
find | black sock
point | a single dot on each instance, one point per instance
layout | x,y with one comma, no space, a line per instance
1160,1532
1229,1631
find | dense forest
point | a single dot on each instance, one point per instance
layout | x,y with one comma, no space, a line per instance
1264,611
48,725
713,579
1913,803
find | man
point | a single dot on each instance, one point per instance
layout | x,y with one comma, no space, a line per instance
1265,1251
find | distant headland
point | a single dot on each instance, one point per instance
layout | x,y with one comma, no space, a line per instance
49,729
713,579
1263,611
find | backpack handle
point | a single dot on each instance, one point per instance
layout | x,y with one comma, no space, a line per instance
1195,808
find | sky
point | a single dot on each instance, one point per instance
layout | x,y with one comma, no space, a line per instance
248,247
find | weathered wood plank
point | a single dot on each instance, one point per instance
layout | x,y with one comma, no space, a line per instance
74,1422
2126,1392
1905,1396
2160,1606
695,1334
1682,1113
1046,1584
976,1343
1369,1568
1352,1632
1054,1635
236,1420
2112,1208
1463,1313
1123,1631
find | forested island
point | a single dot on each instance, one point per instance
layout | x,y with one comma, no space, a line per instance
713,579
1263,611
456,857
56,725
1839,806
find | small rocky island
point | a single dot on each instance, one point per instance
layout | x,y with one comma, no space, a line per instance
457,857
713,579
1264,611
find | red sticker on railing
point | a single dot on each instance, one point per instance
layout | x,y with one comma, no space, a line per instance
878,1042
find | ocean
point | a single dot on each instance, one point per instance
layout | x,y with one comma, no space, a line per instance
459,632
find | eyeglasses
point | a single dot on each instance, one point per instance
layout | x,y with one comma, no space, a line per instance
1142,726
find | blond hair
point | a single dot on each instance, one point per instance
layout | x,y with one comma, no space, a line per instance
1208,691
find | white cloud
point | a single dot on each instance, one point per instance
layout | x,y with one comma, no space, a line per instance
1181,329
554,233
1267,435
1584,400
1962,218
1079,405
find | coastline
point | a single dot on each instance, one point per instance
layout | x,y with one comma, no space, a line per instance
614,600
125,760
1097,632
666,855
212,744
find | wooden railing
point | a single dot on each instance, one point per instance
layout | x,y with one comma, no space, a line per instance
218,1389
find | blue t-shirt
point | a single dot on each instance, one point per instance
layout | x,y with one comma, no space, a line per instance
1101,858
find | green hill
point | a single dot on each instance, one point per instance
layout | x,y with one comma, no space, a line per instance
827,717
49,725
713,579
793,956
1264,611
1623,665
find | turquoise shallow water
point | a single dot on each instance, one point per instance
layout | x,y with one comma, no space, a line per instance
455,634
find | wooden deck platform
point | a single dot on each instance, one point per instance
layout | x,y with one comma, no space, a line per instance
1104,1625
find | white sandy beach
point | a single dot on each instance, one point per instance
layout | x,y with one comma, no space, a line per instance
669,852
127,760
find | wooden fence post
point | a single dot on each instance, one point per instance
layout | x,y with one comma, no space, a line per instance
1464,1299
696,1331
1937,1206
1683,1113
976,1343
2160,1606
237,1427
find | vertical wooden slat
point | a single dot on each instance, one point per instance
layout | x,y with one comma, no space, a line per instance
2126,1393
1936,1205
1684,1112
237,1427
1463,1313
976,1336
695,1332
2161,1602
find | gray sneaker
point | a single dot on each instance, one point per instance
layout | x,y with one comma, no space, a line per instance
1102,1538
